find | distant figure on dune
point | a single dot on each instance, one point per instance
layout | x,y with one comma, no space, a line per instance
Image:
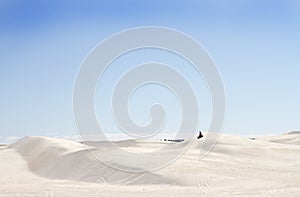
200,135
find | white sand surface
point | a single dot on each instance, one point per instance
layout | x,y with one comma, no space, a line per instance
43,166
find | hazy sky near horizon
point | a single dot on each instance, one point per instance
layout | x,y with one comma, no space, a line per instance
255,45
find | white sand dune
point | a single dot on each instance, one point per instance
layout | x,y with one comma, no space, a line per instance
292,137
235,167
60,159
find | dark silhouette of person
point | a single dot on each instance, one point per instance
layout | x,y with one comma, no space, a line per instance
200,135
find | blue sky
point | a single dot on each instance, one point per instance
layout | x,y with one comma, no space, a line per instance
255,44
